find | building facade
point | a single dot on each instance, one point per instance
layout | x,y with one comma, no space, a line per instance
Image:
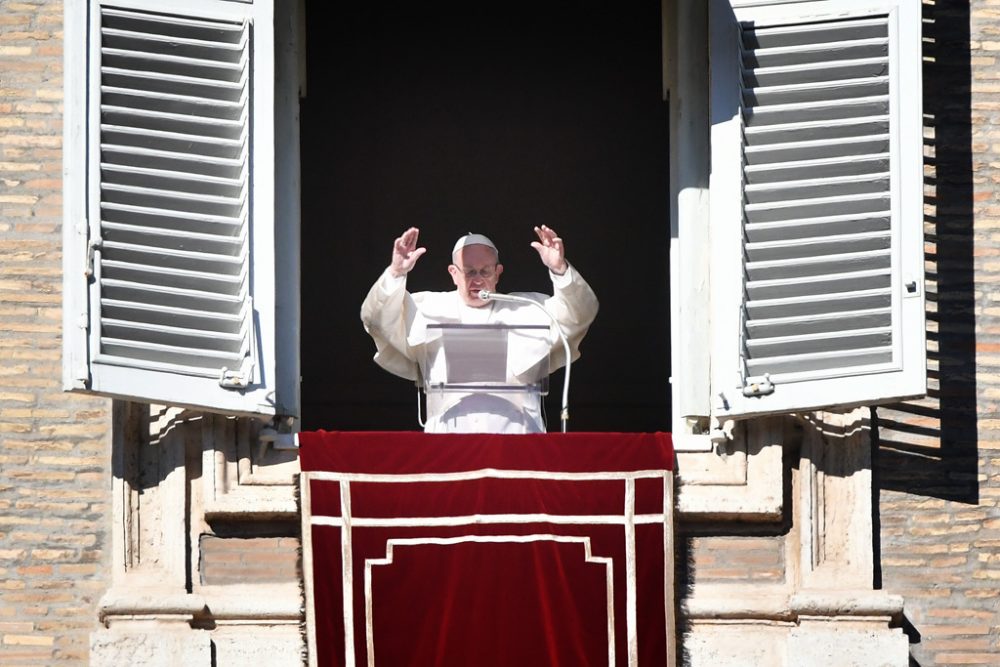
141,534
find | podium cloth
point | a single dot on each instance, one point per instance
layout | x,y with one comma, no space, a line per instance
476,549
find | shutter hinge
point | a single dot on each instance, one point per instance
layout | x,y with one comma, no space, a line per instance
238,379
758,386
93,247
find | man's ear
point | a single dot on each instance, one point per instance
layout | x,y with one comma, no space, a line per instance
455,273
499,270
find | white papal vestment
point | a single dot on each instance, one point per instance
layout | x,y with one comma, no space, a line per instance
397,321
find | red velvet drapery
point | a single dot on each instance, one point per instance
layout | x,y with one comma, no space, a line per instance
549,549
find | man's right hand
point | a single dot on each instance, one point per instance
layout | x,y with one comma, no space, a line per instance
405,253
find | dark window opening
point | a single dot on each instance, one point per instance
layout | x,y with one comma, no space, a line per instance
487,118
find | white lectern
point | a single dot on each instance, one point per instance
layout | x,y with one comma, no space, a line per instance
485,378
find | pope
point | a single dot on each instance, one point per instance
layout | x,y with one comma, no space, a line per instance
397,320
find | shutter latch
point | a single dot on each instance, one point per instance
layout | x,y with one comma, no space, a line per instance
243,377
758,386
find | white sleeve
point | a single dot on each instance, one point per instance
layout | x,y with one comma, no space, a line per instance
574,306
386,313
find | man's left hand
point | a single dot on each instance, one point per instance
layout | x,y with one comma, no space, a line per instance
551,250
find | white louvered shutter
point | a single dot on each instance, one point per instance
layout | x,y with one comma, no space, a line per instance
179,269
816,205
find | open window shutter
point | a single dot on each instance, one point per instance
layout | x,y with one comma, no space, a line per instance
817,191
179,261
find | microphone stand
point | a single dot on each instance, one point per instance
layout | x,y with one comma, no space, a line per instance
487,295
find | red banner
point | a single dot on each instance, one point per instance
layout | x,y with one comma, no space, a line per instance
549,549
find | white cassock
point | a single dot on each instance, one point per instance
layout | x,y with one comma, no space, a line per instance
397,321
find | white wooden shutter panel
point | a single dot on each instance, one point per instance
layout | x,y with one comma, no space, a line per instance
176,137
174,186
827,296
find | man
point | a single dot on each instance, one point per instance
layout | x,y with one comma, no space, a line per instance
397,320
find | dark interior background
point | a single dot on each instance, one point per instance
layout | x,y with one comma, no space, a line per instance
493,118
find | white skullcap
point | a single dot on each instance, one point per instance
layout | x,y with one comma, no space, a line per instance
473,239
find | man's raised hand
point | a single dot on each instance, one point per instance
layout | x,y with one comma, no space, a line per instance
550,249
405,253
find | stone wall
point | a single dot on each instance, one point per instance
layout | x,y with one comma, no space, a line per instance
54,448
238,560
938,460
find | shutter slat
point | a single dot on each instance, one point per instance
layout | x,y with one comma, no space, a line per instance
813,306
840,361
775,211
174,123
165,315
174,102
167,357
816,285
823,168
862,127
799,54
181,260
181,220
872,92
815,34
167,296
177,85
201,165
184,66
816,188
168,335
177,278
815,74
166,179
821,246
185,47
208,204
834,225
174,27
173,239
798,325
183,203
822,265
159,139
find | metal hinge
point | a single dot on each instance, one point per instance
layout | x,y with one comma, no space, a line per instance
758,386
93,247
238,379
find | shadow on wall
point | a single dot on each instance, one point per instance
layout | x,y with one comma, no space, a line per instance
929,447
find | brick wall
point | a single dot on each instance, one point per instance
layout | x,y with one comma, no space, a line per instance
54,449
232,560
736,559
938,460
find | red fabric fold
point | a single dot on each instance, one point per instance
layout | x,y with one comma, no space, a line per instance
417,452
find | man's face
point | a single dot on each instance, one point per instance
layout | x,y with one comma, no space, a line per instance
475,269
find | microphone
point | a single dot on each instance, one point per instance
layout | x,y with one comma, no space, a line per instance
487,295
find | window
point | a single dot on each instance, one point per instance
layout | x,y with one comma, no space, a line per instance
171,218
815,201
796,267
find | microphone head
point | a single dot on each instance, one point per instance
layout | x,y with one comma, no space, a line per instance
484,294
